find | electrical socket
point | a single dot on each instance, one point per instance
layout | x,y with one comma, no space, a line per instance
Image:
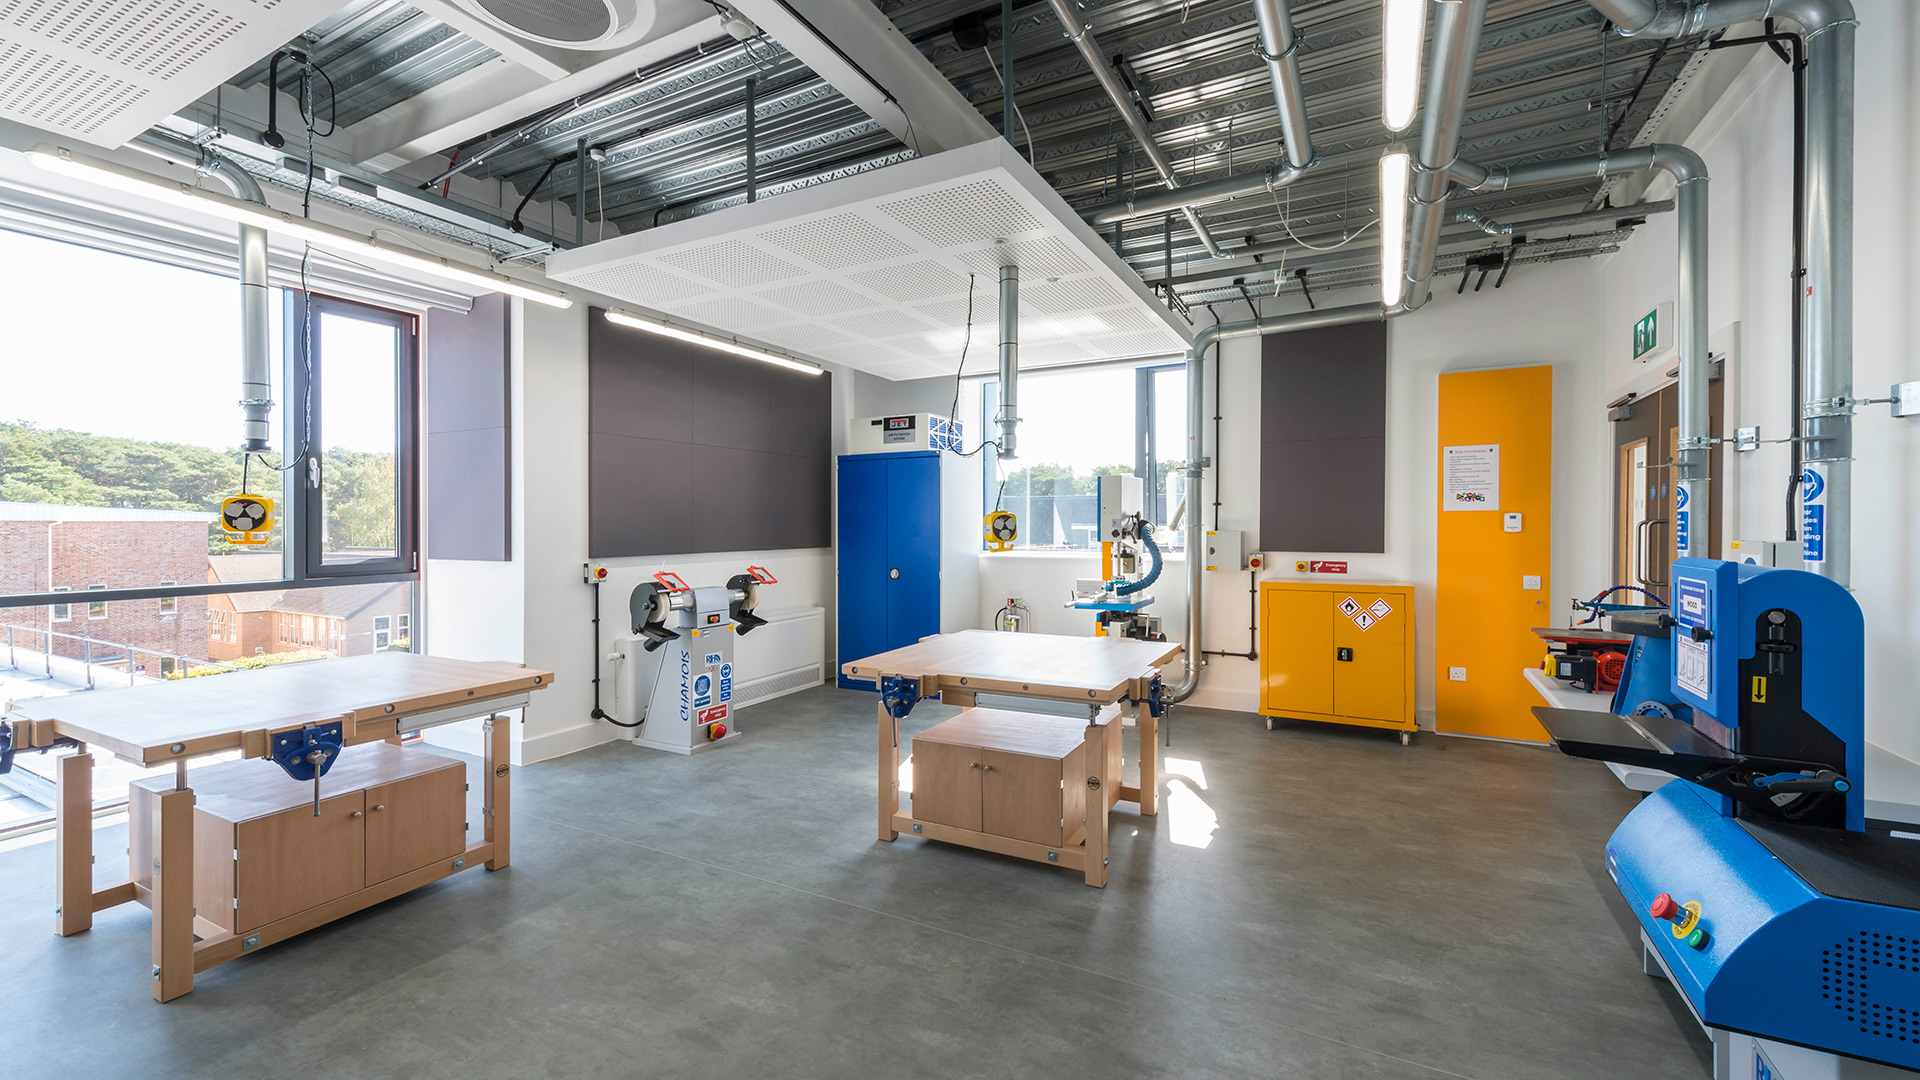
1457,674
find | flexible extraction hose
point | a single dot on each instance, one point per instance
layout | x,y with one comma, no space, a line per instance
1130,587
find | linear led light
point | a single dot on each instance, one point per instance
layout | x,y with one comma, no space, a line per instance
1403,29
61,160
655,326
1395,168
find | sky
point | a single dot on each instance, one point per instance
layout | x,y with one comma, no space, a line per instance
113,345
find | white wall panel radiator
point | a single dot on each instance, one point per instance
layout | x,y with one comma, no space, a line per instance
787,654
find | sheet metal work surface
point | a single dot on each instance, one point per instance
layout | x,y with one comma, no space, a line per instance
1042,662
1644,739
1845,865
136,720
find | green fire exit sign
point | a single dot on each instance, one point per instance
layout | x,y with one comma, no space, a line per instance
1646,334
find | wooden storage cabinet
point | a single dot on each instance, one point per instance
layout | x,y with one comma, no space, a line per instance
1337,651
262,855
1004,773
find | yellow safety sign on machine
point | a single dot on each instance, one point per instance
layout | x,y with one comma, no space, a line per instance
247,519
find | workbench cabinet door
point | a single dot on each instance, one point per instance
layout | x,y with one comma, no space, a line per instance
414,822
946,784
290,861
1297,653
1370,682
1021,796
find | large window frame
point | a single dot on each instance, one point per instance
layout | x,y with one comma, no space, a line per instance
300,486
1146,450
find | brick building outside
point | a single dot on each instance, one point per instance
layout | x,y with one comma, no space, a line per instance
46,547
242,624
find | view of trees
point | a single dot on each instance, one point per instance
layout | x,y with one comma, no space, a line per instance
74,468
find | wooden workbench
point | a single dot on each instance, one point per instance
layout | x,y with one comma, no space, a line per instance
1095,671
375,698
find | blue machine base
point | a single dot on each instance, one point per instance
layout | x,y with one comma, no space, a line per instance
1783,960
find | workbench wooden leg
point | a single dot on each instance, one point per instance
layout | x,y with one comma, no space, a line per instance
1096,802
73,862
1149,727
889,772
496,792
173,894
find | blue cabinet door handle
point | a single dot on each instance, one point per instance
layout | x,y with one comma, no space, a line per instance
894,573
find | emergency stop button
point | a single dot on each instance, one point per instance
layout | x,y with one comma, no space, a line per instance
1685,919
1664,907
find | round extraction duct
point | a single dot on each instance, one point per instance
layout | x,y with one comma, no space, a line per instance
570,24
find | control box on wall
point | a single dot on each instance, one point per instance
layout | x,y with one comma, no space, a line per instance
904,432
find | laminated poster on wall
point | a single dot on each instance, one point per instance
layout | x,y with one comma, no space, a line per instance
1470,477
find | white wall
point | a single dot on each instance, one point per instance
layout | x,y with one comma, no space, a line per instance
1746,139
1544,315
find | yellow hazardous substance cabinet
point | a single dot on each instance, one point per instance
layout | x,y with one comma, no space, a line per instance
1337,651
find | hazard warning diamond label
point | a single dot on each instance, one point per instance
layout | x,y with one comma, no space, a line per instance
1379,608
1349,607
1363,619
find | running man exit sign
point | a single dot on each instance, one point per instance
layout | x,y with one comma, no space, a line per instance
1653,333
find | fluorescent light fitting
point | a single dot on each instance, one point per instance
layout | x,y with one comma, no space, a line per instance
655,326
61,160
1403,31
1395,170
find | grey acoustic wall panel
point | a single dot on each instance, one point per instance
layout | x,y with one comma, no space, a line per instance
469,471
1323,439
692,450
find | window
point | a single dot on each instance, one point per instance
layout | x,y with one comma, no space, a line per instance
169,605
96,609
1075,427
382,635
62,612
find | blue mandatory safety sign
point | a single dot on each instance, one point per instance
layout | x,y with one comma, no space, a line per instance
1691,605
726,682
1813,515
1682,517
702,691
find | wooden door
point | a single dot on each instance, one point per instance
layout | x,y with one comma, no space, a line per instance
416,821
1020,796
1646,446
291,861
1370,659
946,784
1297,626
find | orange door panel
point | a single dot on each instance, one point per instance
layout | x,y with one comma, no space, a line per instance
1370,659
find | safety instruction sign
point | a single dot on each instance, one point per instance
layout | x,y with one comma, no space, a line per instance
1692,666
1813,515
1363,619
726,682
1470,477
1380,608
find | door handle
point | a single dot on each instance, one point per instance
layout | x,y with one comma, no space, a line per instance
894,573
1640,551
1645,578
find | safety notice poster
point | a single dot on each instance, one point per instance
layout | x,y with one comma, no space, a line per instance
1470,477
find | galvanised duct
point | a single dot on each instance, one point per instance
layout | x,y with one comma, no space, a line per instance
1456,46
1009,418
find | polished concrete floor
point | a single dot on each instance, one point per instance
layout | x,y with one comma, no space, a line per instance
1313,902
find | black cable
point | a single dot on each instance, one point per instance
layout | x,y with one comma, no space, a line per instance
598,712
516,225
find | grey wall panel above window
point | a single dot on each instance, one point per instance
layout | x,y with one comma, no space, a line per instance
693,450
469,460
1323,427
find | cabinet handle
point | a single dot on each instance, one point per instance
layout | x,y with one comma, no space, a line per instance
379,806
973,764
986,768
356,813
894,573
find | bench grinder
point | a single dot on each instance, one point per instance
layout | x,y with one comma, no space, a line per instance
678,687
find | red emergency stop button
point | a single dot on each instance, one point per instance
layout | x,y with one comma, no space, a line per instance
717,731
1664,907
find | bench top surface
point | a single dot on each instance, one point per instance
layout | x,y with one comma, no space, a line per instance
1041,662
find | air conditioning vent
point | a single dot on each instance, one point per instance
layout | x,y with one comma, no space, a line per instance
570,24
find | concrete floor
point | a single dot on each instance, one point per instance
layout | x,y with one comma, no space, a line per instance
1361,910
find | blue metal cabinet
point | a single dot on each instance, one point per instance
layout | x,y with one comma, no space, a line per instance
889,555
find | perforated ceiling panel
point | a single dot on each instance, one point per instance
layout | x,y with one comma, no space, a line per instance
873,271
102,71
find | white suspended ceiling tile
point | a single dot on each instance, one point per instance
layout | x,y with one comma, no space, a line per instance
874,270
102,71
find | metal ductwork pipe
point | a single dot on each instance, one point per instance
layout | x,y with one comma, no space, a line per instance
1009,418
1279,47
1214,191
1456,46
1826,491
1082,37
256,367
1197,462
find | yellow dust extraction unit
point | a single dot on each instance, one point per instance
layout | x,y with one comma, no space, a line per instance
1337,651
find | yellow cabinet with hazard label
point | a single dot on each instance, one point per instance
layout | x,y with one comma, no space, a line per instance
1337,651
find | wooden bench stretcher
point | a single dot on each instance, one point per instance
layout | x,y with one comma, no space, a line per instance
375,698
1097,672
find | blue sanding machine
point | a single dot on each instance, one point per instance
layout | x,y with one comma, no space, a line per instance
1791,928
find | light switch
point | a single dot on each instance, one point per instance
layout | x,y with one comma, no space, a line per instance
1530,581
1457,674
1512,522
